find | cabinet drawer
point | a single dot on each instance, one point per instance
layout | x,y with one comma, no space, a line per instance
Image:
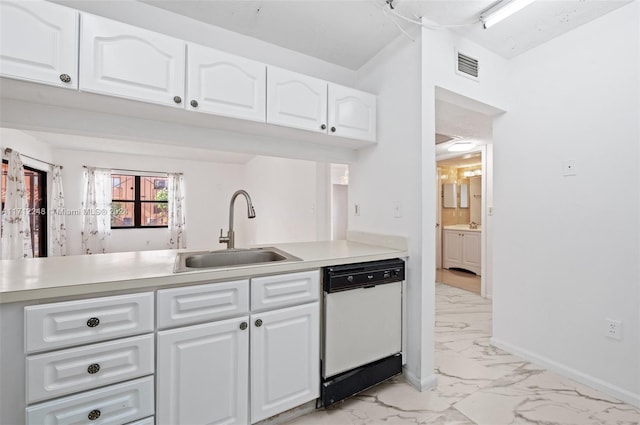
68,371
114,405
200,303
284,290
64,324
146,421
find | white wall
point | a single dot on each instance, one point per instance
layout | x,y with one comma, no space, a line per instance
390,173
283,192
566,248
208,188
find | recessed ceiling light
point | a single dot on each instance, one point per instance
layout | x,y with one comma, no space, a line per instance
461,147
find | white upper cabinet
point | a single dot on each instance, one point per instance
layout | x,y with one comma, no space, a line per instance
352,113
296,100
126,61
39,42
225,84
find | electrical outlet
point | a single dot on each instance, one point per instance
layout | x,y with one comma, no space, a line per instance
614,329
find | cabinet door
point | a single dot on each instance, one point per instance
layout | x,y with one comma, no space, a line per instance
352,113
224,84
452,249
471,251
126,61
39,42
203,375
296,100
285,359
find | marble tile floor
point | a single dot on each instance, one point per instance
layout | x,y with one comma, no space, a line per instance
477,383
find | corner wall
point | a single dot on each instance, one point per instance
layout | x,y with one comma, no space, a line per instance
390,174
567,247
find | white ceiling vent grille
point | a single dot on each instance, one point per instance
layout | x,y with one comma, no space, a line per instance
467,66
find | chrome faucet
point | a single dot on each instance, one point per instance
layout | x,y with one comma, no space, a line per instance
230,239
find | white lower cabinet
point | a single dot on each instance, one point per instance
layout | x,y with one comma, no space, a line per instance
203,374
114,405
462,249
244,369
285,363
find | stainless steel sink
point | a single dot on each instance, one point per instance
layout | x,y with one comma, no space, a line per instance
189,261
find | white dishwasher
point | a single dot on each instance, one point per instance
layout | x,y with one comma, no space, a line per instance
362,327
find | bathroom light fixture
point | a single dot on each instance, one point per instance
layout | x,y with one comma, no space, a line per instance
502,11
461,147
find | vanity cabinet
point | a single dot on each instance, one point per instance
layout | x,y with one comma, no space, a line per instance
126,61
224,84
226,349
39,43
462,249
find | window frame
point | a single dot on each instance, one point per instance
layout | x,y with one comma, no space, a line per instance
138,202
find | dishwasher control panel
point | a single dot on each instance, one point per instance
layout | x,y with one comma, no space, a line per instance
363,275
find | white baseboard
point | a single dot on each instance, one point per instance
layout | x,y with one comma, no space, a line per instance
427,383
564,370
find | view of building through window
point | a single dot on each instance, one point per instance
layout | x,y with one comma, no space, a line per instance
36,186
139,201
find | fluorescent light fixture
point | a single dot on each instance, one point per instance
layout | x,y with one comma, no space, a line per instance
461,147
503,11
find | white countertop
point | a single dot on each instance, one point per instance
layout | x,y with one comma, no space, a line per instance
39,278
463,227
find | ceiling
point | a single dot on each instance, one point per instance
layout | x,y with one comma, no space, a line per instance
350,32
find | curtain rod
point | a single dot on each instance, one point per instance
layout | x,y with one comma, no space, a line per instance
135,171
9,150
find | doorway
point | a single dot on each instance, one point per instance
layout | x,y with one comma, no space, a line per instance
464,151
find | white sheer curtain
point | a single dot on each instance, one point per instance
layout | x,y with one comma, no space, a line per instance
96,218
16,227
177,229
58,233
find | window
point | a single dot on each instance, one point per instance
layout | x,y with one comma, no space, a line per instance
36,185
139,201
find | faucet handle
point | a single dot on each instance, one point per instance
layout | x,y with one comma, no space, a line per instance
223,239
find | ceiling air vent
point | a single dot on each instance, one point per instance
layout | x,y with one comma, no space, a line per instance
467,66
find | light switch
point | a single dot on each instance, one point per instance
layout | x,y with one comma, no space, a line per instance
397,209
569,167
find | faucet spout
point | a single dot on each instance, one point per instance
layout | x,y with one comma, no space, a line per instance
251,213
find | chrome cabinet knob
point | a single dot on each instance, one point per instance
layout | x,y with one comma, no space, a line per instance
177,99
258,323
323,127
243,326
194,103
65,78
94,414
93,368
93,322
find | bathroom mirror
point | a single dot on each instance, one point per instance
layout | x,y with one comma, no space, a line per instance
464,195
449,195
